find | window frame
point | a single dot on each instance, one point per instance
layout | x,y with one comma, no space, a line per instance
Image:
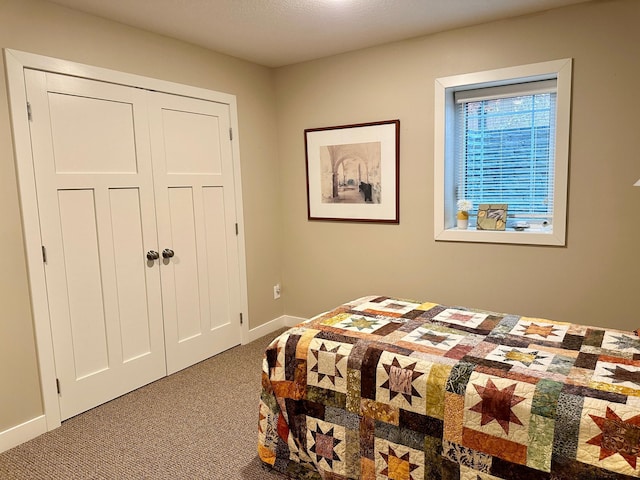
444,155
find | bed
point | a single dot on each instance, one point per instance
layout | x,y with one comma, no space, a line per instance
387,388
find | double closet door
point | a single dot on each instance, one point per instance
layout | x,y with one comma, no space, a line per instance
137,215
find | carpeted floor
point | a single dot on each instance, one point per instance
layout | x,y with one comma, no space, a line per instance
200,423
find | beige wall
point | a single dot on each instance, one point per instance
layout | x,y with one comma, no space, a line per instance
46,29
593,280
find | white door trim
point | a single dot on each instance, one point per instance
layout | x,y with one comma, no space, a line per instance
16,61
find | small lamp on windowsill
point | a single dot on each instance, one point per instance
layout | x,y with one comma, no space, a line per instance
637,184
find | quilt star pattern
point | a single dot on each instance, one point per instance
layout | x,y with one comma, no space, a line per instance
388,388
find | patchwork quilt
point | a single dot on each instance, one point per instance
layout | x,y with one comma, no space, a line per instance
385,388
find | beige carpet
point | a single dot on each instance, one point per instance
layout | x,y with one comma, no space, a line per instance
200,423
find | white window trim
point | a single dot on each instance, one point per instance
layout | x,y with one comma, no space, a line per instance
444,175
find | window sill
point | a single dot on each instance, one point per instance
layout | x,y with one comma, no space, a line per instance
535,236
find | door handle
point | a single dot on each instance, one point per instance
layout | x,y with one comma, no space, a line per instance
167,253
152,255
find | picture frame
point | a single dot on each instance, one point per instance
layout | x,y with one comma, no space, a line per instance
353,172
492,216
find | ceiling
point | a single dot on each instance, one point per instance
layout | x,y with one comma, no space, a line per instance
281,32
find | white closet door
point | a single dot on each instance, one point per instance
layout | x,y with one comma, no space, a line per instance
195,208
95,197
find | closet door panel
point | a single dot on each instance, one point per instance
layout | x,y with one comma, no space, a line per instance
216,247
100,145
94,180
82,274
130,272
193,172
192,143
184,264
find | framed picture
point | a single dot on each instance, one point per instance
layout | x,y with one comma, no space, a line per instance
353,172
492,216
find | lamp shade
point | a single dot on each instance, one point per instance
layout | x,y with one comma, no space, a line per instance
637,184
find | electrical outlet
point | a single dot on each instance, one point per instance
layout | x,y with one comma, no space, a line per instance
276,291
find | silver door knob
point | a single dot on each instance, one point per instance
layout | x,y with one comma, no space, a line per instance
167,253
152,255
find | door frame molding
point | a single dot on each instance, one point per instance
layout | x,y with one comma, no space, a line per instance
16,62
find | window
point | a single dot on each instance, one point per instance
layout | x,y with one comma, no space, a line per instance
502,137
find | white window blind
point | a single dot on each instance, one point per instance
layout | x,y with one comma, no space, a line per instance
505,139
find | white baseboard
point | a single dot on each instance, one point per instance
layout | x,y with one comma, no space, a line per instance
272,326
24,432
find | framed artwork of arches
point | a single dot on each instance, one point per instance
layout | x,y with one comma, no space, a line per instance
353,172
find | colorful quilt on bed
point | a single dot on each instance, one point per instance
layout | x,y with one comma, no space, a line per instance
383,388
